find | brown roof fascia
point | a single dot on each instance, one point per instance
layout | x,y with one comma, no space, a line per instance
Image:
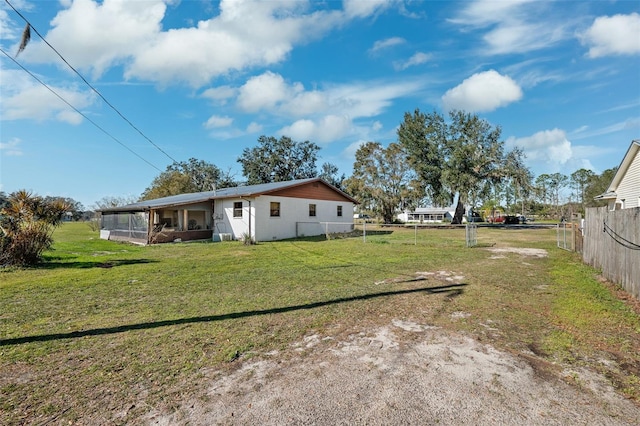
319,180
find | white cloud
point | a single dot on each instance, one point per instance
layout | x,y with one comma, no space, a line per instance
377,126
362,9
243,35
371,98
613,35
513,26
254,127
518,37
532,72
580,129
634,104
482,92
417,59
582,153
11,148
350,151
23,98
263,92
482,13
322,114
304,103
11,30
270,92
68,116
228,133
97,36
220,94
586,132
327,129
386,43
216,121
546,145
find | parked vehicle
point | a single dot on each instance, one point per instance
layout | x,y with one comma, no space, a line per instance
362,217
511,220
496,219
475,217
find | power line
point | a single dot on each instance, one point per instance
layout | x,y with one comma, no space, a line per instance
91,86
78,111
620,239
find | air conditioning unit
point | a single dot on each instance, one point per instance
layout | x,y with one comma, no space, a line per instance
222,237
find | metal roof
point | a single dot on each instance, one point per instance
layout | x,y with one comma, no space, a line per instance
428,210
233,192
610,195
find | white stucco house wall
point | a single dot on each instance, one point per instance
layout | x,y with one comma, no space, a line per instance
624,190
266,212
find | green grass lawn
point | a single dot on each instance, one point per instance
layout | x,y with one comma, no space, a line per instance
101,327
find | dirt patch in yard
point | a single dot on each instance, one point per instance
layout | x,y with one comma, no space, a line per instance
400,373
529,252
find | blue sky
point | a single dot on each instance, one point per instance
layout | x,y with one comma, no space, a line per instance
205,79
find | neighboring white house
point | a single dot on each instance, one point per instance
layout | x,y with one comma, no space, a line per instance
426,215
266,212
624,190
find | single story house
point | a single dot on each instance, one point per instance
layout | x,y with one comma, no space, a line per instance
624,190
426,215
265,212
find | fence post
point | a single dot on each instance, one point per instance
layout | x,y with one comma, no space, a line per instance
471,234
364,231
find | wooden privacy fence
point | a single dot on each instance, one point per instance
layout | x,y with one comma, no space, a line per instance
612,244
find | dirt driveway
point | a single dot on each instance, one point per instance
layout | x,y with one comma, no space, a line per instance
400,373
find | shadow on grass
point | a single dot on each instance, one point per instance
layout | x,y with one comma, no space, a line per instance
450,291
93,264
483,245
354,234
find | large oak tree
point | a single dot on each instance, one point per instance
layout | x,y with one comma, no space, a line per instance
279,160
463,157
186,177
382,180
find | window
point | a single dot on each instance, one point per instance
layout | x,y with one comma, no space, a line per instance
312,210
274,209
339,212
237,209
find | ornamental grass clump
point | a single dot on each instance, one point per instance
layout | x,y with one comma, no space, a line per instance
26,227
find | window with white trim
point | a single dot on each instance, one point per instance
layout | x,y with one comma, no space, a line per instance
274,209
312,210
237,209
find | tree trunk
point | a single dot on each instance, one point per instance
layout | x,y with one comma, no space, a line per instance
457,217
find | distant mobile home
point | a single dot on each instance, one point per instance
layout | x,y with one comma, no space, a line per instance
425,215
266,212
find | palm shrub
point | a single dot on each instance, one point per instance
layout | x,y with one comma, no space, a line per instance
26,227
